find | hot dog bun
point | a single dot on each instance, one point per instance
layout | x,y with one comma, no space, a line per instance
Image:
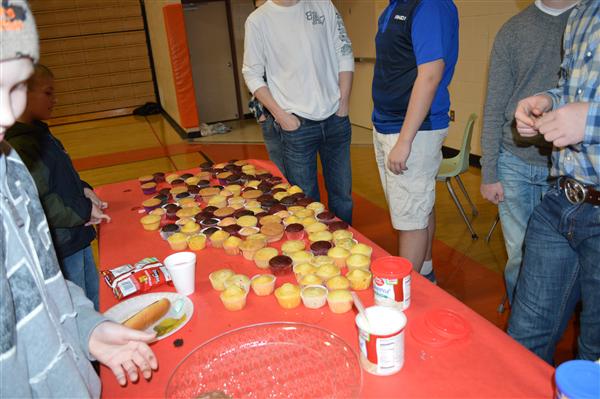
149,315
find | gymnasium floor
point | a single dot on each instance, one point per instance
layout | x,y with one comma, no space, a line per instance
116,149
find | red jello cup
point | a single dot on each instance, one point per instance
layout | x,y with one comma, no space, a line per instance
280,264
295,231
320,248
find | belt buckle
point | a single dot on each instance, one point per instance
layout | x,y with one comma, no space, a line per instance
575,192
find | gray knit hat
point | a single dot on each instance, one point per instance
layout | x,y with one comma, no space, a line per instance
18,35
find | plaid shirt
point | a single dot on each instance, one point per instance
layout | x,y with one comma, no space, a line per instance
580,82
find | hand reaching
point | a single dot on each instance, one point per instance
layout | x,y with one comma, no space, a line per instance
123,350
94,198
97,216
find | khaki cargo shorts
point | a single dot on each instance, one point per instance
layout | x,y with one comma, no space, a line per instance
411,195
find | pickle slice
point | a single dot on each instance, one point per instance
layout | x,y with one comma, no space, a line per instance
168,325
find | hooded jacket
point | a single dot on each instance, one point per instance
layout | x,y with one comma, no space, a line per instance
59,185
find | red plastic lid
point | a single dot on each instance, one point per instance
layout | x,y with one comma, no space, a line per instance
425,335
447,323
391,267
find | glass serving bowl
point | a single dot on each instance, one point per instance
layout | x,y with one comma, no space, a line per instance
270,360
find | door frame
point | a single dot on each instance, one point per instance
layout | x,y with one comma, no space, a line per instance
234,60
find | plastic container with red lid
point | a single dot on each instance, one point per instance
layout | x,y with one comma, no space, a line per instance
391,281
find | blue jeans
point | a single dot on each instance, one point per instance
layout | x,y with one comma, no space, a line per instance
272,137
80,268
561,264
330,138
524,186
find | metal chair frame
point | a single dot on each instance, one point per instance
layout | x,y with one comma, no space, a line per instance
454,167
502,307
492,228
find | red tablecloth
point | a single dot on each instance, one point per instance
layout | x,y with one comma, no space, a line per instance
488,364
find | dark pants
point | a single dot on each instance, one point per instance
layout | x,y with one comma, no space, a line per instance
561,263
330,138
272,137
80,268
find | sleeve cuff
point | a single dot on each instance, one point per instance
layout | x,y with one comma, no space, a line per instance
87,318
255,84
346,65
592,125
488,172
88,212
430,58
489,177
554,95
88,321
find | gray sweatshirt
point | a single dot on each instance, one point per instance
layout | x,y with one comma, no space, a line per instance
525,60
45,321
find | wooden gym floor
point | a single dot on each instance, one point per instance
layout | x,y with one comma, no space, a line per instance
116,149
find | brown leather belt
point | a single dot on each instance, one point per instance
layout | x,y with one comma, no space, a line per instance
577,192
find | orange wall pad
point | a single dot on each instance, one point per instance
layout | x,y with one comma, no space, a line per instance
180,61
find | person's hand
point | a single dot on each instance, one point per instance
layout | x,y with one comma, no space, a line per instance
91,195
398,156
288,122
97,216
564,126
528,111
493,192
123,350
343,110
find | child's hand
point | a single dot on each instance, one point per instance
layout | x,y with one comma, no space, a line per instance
91,195
124,351
97,216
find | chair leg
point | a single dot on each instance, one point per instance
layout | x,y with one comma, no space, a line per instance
489,234
474,235
466,194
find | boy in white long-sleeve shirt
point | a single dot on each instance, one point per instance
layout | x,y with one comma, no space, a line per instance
303,50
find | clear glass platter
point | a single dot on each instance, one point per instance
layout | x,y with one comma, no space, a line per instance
271,360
